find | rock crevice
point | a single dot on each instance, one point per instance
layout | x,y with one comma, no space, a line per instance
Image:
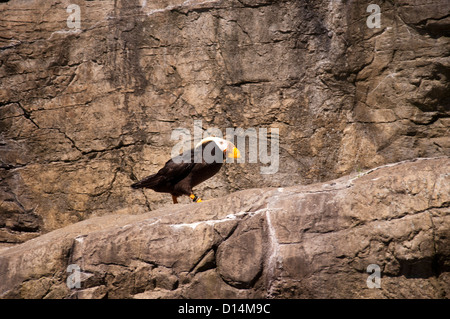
311,241
79,108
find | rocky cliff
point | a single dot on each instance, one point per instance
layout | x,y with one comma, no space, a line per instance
86,110
89,100
313,241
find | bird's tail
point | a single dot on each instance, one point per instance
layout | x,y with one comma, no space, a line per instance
148,182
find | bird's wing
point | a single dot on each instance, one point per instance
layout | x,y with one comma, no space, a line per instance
178,167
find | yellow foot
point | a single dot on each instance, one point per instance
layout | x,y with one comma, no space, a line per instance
195,199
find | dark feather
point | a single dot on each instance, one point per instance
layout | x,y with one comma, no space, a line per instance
181,173
148,182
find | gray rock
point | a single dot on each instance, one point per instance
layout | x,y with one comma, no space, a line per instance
313,241
84,113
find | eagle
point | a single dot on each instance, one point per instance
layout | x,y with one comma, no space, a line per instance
183,172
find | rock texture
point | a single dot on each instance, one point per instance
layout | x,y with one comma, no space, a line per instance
298,242
85,112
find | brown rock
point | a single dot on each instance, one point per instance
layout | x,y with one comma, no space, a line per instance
84,113
313,241
240,257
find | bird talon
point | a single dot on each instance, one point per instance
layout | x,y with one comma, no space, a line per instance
195,199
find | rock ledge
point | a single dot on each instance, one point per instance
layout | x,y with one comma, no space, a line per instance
312,241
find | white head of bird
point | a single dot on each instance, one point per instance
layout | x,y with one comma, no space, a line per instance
224,146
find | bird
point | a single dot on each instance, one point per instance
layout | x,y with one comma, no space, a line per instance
182,173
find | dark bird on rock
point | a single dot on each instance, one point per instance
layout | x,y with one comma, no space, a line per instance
183,172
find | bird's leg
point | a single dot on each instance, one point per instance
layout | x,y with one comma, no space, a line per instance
195,199
174,198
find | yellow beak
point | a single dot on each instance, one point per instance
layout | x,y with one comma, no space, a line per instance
234,153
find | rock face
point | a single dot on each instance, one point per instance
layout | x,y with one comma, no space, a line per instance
86,111
312,241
